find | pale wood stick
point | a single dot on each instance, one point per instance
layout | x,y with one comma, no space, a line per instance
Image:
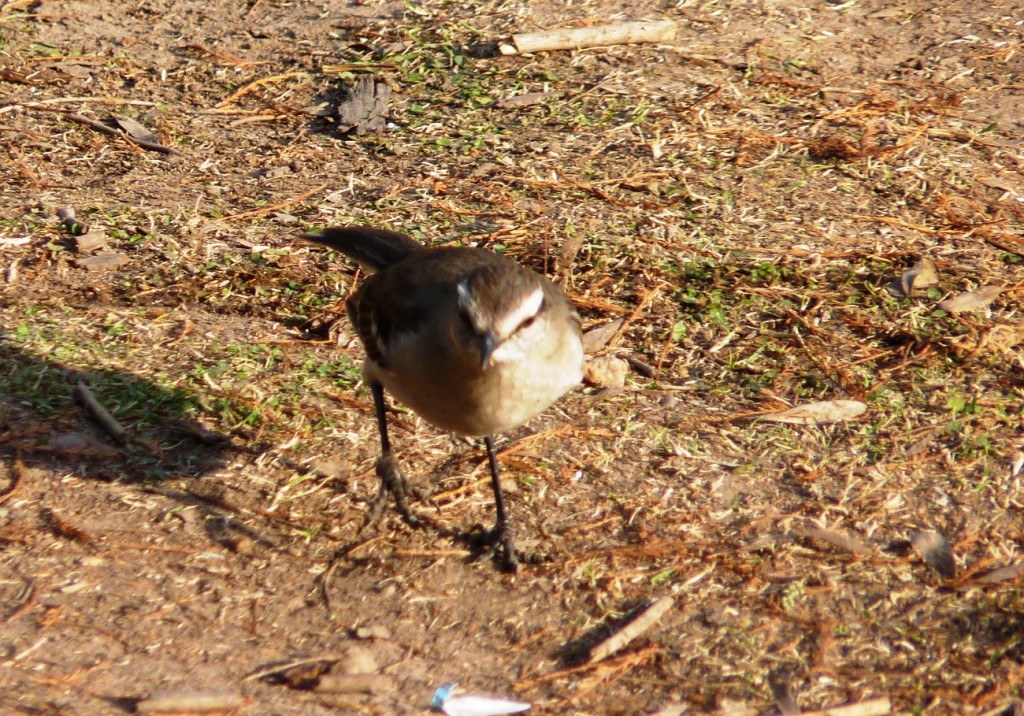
572,38
193,702
631,631
100,414
871,707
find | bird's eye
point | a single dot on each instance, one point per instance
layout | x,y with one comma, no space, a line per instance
527,323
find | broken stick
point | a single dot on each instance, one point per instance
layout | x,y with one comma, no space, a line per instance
644,621
100,414
577,38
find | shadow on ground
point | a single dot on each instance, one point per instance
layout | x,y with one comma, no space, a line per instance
44,422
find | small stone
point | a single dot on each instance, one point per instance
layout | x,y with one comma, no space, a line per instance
606,372
357,660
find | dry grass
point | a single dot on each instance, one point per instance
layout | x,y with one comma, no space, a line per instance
745,207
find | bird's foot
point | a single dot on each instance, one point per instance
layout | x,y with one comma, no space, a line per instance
500,547
393,483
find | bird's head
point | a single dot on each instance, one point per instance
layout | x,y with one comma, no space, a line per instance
502,311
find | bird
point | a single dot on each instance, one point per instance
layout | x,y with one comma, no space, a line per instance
473,342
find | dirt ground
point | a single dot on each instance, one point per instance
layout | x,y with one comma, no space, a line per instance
761,202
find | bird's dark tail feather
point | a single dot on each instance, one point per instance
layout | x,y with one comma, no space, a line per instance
371,248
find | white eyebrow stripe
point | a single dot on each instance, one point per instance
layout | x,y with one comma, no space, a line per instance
527,308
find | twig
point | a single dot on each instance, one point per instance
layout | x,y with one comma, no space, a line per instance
100,100
644,621
30,175
104,128
618,663
648,297
100,414
619,33
275,207
258,83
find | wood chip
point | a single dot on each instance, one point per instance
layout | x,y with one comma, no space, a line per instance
827,411
935,550
972,301
570,249
366,109
643,621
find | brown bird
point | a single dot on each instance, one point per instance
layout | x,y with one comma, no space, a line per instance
473,342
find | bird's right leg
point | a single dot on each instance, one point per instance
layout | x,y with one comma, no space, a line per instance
391,479
502,532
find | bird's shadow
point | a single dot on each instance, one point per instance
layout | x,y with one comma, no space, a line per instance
45,423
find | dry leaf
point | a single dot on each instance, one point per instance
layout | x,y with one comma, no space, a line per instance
597,338
977,300
1002,574
1000,184
919,276
935,550
827,411
850,544
135,130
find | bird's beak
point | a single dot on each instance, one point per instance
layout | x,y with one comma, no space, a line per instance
488,344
